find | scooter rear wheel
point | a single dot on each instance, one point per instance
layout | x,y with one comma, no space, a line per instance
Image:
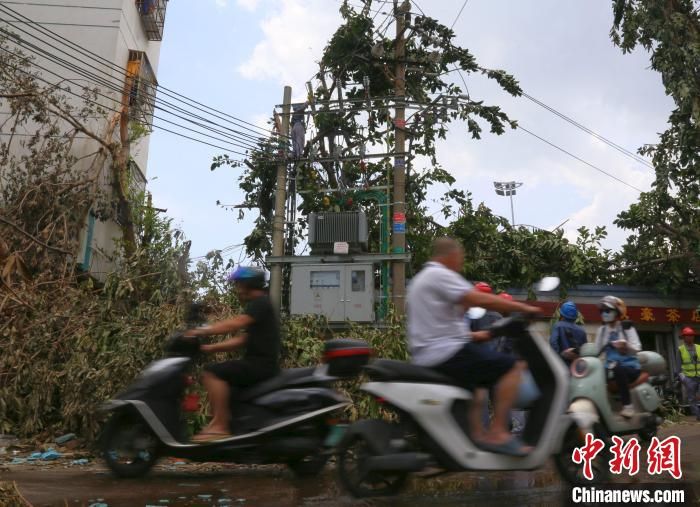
360,483
572,472
128,446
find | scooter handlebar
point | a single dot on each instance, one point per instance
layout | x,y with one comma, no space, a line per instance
180,345
512,325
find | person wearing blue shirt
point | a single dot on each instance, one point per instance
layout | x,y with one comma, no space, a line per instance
567,336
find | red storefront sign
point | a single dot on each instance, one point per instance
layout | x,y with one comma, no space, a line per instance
638,314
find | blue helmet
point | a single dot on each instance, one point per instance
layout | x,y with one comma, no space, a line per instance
249,276
568,310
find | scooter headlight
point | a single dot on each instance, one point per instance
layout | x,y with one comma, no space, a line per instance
579,368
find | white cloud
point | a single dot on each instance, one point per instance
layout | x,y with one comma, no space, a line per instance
221,3
293,38
249,5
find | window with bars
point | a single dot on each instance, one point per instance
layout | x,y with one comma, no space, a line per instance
152,17
141,88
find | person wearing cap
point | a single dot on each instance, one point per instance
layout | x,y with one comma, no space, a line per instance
567,336
620,346
690,369
478,326
258,331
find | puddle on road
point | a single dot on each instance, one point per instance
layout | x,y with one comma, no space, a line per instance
276,488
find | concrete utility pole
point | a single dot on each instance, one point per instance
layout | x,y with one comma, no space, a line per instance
280,201
398,236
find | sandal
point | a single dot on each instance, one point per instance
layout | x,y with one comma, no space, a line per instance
513,447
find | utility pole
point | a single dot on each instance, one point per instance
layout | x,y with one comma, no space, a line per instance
280,202
398,235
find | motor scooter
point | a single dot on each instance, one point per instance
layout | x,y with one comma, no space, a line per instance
287,419
593,397
431,428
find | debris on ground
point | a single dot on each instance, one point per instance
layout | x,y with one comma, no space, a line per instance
11,497
50,455
65,438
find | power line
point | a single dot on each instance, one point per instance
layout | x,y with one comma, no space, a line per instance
118,88
459,14
520,127
115,110
573,122
53,35
576,124
242,143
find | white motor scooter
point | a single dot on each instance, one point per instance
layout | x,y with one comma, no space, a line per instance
431,428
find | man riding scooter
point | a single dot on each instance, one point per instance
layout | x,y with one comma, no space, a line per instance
438,338
621,347
261,338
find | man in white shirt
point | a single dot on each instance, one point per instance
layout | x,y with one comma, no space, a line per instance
438,338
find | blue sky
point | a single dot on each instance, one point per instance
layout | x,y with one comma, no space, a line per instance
236,55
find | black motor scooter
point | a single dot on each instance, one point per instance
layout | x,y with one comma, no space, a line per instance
288,419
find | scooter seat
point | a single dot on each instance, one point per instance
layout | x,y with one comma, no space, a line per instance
286,377
643,377
400,371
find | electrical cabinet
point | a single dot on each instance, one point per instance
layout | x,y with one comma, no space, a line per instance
339,291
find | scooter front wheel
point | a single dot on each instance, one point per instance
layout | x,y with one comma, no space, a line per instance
128,446
353,475
572,472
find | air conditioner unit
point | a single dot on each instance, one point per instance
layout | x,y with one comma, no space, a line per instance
325,229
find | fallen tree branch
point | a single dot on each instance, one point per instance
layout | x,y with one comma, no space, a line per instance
36,240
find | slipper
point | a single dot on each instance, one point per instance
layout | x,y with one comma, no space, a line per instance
513,447
207,436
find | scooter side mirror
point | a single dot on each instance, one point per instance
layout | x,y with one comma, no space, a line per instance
547,284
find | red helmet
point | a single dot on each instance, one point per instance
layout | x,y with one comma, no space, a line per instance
505,295
688,331
483,287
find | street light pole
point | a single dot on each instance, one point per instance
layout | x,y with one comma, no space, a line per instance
507,188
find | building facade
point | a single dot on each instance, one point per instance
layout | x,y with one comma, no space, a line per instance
110,45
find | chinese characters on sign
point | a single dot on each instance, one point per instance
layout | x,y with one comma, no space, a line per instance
662,456
647,315
673,315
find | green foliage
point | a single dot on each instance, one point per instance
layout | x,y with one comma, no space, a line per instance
355,53
517,257
664,249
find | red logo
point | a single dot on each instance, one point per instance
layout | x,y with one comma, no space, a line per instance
662,456
665,456
587,453
625,456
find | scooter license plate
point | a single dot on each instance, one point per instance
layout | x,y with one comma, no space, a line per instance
335,435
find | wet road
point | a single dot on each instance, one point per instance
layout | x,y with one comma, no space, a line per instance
269,486
173,484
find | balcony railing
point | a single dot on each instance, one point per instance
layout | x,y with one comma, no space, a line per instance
153,17
140,88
